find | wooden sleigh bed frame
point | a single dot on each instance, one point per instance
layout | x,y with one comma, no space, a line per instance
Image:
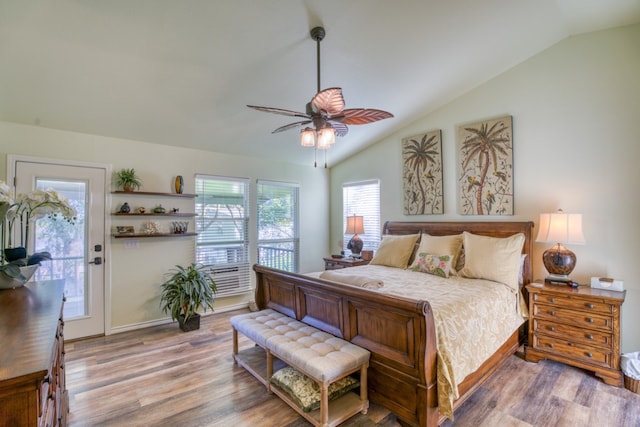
399,332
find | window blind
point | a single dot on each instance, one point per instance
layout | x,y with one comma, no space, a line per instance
222,224
362,198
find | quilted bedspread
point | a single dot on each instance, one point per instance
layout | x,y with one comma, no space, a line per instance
473,318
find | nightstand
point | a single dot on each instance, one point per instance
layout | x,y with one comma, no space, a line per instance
577,326
338,263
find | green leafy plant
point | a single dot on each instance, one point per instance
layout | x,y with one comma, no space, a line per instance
128,180
186,289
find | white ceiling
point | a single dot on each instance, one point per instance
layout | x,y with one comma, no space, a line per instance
181,72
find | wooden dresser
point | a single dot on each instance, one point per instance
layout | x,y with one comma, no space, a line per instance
579,327
32,377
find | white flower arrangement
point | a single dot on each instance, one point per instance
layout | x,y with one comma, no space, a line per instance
18,214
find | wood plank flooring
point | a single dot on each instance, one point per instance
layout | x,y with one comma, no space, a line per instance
161,376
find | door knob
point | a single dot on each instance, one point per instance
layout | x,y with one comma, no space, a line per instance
97,261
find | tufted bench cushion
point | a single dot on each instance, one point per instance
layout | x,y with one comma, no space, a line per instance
319,354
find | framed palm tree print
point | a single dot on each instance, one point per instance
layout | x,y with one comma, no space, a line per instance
422,174
485,167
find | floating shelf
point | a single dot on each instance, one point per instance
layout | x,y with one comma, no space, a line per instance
174,215
143,235
151,193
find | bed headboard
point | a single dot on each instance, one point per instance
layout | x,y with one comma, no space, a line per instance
484,228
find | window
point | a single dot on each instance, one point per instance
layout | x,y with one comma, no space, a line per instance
278,240
362,199
222,224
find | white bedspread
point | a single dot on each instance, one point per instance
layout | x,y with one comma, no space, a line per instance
473,318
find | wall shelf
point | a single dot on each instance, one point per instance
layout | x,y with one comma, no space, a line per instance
152,193
174,215
143,235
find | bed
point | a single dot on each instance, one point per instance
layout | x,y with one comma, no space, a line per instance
399,331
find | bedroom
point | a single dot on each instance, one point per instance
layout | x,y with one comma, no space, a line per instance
574,106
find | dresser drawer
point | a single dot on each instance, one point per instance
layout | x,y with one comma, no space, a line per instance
587,336
571,302
572,317
574,350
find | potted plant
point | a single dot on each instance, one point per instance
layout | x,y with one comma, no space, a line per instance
128,180
17,216
184,291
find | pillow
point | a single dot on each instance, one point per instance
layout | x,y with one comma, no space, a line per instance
521,270
438,265
493,258
449,245
305,391
395,251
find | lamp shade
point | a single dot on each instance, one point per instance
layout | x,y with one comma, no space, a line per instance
307,137
355,225
561,227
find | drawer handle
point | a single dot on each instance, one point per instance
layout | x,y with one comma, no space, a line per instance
552,328
589,305
552,313
589,320
589,354
552,300
550,345
589,337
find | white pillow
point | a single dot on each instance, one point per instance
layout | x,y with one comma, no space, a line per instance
493,258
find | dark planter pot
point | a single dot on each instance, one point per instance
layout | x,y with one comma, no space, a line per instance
192,323
12,254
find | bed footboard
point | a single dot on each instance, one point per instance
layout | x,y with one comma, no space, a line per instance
399,333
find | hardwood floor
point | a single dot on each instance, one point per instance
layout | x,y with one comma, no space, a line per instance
161,376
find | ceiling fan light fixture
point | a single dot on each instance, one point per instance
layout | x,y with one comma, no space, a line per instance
307,137
326,137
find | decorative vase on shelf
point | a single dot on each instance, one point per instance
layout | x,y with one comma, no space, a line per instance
179,184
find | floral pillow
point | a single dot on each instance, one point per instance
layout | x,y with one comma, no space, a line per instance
438,265
305,391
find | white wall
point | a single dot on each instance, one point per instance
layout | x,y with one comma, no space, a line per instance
575,110
136,273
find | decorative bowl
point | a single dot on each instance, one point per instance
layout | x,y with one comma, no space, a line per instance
28,271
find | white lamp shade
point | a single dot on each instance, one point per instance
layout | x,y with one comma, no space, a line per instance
326,138
560,228
307,137
355,225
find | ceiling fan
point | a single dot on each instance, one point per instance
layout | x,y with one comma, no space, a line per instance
325,112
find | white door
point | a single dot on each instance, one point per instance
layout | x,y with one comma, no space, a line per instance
77,250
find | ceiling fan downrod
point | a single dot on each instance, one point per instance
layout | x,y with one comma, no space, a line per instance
317,34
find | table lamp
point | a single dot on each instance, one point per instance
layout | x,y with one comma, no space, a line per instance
355,226
562,229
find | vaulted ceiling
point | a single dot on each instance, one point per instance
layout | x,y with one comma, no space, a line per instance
182,72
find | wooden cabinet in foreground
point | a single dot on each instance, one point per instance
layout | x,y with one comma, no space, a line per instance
32,376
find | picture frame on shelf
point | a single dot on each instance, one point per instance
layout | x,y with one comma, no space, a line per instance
125,229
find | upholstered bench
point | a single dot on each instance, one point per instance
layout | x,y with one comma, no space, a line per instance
320,356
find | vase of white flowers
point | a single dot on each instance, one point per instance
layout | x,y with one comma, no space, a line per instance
17,217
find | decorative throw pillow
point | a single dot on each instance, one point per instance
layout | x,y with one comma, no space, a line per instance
493,258
305,391
395,251
438,265
450,245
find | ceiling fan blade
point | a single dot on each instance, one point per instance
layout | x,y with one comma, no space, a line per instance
278,111
361,116
291,126
341,129
329,101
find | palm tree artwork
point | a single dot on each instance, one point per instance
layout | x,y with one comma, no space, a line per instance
422,174
486,167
